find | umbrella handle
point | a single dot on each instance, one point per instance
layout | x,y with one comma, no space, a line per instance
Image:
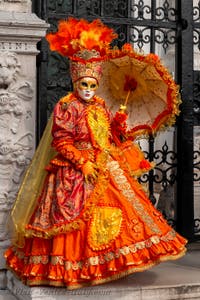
122,108
127,96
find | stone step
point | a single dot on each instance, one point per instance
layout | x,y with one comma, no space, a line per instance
6,295
171,280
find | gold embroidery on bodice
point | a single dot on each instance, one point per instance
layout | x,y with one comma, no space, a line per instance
99,126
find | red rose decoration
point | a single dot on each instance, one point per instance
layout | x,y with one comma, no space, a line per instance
145,164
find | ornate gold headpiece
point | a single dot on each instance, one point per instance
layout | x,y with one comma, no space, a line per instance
86,68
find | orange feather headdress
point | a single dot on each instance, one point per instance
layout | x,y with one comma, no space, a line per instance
85,43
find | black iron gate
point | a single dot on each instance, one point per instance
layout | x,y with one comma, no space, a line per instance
170,28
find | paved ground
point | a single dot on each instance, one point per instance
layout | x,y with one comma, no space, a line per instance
178,279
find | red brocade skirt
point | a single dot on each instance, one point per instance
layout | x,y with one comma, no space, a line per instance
118,232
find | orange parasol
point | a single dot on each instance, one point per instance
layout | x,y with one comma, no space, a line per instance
144,86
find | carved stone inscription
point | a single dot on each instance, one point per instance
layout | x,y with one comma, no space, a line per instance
14,46
15,112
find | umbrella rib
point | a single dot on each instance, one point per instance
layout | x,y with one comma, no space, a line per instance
146,106
160,97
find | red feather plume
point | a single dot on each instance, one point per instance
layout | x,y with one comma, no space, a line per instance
74,35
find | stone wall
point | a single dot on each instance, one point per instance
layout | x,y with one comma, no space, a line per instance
20,30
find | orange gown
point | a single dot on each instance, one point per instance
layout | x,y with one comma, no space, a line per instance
83,234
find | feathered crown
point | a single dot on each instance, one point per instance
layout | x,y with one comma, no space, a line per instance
85,43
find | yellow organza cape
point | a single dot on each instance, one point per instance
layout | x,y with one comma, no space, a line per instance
30,188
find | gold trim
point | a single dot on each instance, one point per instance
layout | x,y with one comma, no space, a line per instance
98,259
99,126
108,279
129,194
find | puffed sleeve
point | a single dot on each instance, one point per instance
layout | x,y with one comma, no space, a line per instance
64,131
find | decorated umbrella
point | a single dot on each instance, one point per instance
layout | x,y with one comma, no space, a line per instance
144,86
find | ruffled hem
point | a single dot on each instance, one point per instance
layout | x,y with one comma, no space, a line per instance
77,284
73,275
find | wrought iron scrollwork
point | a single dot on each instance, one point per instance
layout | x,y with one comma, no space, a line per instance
165,169
93,8
59,81
166,12
163,175
166,163
196,12
140,10
115,8
196,174
165,37
140,36
196,177
106,8
60,6
197,226
196,93
196,37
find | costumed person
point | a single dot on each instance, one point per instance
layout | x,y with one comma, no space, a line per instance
89,221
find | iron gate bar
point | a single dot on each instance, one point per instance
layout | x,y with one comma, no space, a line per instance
197,24
123,21
185,186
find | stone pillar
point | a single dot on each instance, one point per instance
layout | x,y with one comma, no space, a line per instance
20,30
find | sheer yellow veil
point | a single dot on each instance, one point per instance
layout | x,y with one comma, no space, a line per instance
30,188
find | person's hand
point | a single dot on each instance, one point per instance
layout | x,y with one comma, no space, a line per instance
123,108
90,172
